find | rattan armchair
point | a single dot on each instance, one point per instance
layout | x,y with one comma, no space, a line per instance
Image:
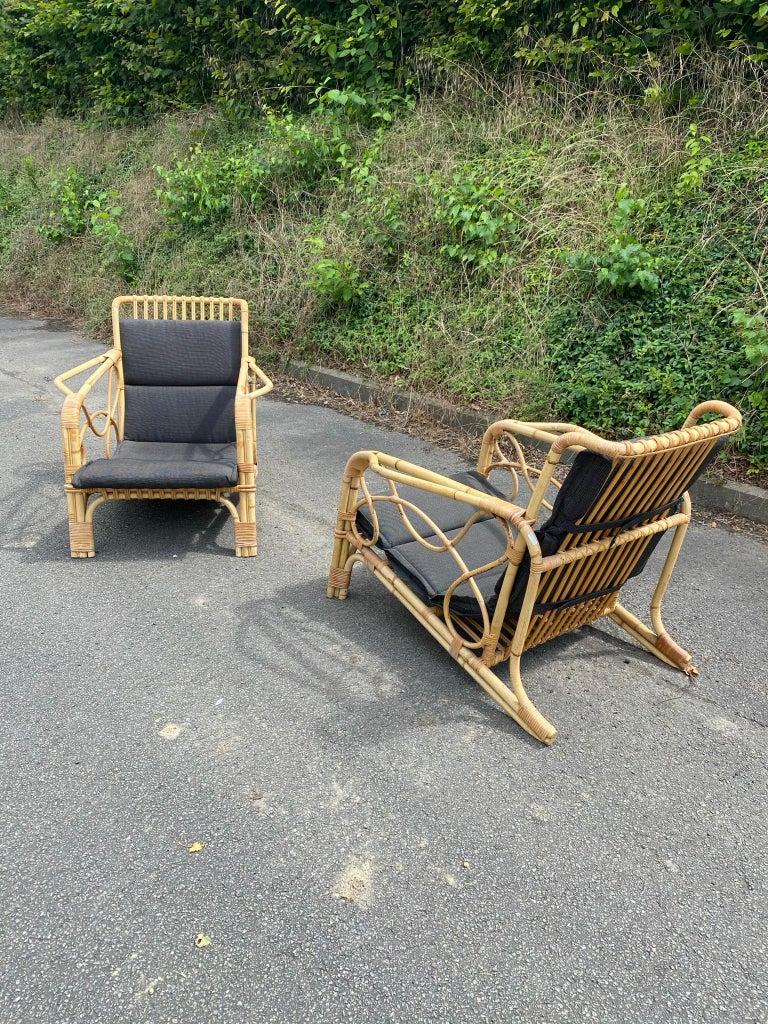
488,578
179,416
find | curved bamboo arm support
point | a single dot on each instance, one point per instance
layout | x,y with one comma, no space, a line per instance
520,533
412,475
266,383
104,362
73,408
493,458
540,431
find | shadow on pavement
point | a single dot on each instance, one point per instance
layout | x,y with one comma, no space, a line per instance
368,656
139,531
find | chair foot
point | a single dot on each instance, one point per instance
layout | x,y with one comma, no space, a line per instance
245,540
526,713
338,582
513,700
678,655
659,644
81,540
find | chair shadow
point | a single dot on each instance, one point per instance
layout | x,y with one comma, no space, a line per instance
367,652
125,531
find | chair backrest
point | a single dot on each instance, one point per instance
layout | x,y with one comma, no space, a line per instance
611,489
179,375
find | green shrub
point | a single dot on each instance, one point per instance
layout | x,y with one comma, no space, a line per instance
636,360
118,254
625,263
753,329
336,282
72,196
476,214
80,207
201,189
698,164
131,58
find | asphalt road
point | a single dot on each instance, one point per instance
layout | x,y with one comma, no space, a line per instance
381,843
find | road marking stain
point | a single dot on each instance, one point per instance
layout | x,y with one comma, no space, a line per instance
355,883
170,731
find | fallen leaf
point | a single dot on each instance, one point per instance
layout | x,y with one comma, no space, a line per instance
202,940
196,847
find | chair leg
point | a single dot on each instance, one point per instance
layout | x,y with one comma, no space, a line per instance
81,540
341,572
517,704
245,526
526,713
656,639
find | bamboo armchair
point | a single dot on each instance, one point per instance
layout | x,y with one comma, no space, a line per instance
488,583
179,416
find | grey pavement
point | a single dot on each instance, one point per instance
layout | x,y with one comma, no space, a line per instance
381,843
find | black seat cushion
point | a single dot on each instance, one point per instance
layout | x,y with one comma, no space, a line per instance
446,512
162,464
180,378
430,573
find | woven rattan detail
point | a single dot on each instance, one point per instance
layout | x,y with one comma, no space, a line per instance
245,534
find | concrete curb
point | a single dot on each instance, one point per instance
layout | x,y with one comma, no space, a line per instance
730,498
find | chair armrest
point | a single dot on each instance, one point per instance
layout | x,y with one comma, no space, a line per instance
408,473
103,362
266,383
540,431
73,408
492,457
519,532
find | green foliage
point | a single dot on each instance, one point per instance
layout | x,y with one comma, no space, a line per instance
753,329
203,188
130,58
72,196
200,189
80,207
474,210
336,282
118,255
697,165
635,361
625,263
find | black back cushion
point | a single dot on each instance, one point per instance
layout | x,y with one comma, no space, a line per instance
180,378
578,493
574,501
191,352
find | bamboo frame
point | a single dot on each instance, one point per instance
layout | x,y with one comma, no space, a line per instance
77,421
645,474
